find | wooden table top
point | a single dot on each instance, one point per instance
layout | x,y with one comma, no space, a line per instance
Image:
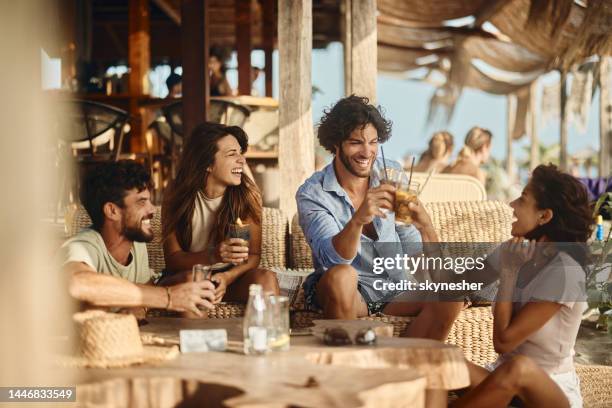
309,374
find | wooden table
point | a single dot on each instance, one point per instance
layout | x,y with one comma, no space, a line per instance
396,372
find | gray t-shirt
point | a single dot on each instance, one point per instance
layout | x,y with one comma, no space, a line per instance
88,247
561,281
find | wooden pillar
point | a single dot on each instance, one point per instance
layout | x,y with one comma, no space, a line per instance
563,126
68,42
532,126
510,120
605,117
296,141
360,48
139,59
269,32
194,50
243,45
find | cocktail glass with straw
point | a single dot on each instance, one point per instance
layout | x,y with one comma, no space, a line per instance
406,192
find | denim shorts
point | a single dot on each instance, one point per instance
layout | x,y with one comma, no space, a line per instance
310,290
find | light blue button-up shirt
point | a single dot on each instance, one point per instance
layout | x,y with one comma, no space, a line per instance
324,209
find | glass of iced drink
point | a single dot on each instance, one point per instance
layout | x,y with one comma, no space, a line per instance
392,176
200,272
405,194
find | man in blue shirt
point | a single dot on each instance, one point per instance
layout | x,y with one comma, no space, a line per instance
343,213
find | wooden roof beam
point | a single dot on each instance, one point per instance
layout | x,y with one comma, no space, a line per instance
171,11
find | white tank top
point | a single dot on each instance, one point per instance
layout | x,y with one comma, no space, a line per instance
204,216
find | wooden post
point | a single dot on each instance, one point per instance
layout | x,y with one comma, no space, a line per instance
68,42
139,59
296,144
563,128
510,120
269,31
532,126
360,48
194,45
605,117
243,45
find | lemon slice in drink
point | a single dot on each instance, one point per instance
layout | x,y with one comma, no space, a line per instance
280,342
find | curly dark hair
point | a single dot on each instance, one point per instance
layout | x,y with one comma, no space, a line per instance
569,201
572,220
109,182
348,114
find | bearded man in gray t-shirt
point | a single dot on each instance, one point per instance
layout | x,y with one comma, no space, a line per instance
108,263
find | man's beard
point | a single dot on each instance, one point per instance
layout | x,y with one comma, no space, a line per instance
347,165
136,234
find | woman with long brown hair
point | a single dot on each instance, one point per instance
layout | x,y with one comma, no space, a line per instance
474,153
209,193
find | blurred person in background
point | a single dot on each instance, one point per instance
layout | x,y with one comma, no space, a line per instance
437,154
475,152
174,82
217,67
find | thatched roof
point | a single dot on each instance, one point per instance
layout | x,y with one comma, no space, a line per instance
503,44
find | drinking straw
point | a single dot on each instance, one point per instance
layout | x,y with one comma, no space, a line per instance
411,167
431,172
382,152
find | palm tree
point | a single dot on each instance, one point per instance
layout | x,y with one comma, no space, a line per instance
546,154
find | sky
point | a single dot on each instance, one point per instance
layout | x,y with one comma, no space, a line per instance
406,103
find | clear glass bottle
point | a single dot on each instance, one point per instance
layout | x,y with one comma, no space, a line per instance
256,322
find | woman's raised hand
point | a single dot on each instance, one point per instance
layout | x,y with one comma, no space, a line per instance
515,253
233,250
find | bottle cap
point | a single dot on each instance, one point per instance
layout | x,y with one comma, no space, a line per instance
255,288
599,219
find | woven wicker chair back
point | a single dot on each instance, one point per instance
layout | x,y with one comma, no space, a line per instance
460,221
273,246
